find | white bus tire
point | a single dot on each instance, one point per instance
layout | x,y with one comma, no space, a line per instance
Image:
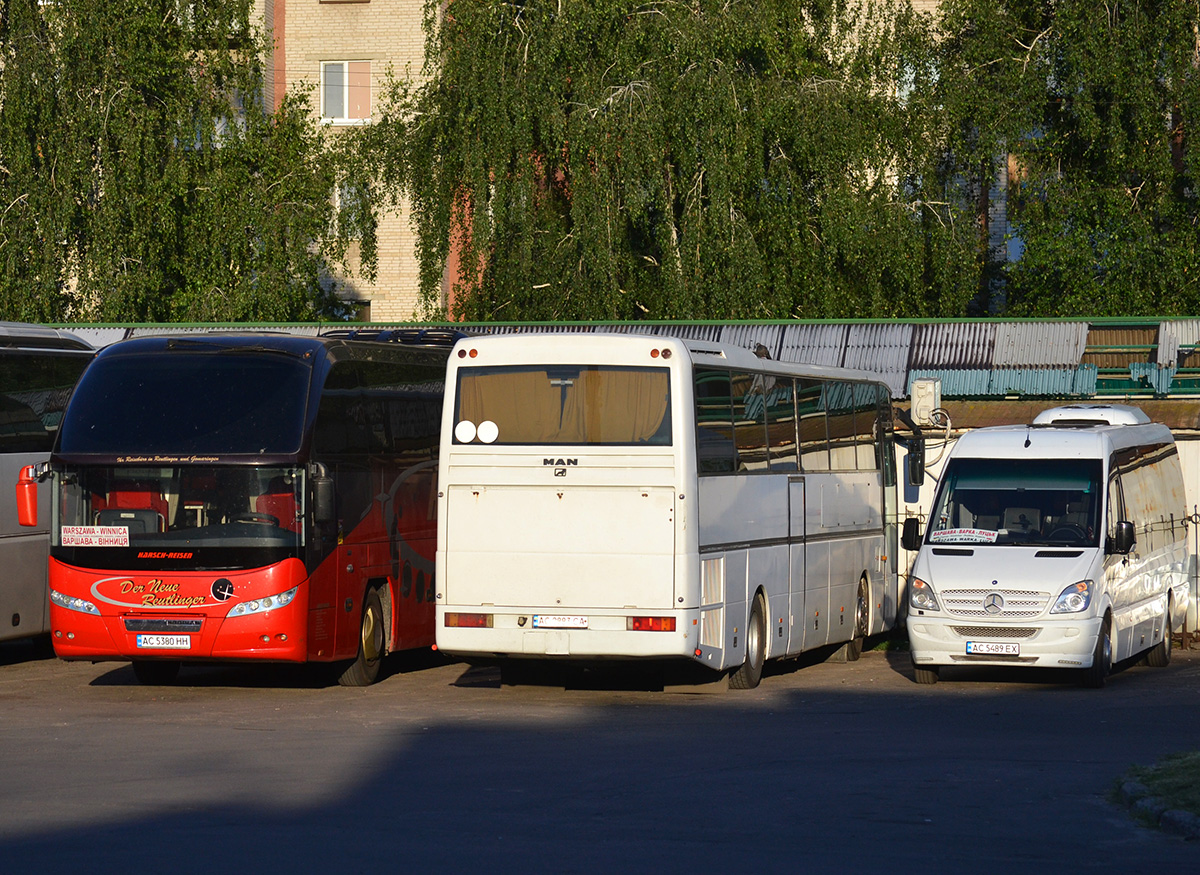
749,673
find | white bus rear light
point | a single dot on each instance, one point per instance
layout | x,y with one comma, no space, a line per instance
650,624
468,621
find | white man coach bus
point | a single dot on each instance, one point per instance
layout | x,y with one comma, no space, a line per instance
607,496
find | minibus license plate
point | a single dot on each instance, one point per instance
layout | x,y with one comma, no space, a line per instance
994,648
165,642
559,621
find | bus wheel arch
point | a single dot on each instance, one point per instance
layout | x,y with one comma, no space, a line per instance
747,675
372,643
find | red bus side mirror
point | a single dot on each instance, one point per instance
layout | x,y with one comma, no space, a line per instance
27,514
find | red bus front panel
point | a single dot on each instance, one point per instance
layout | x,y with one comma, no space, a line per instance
260,614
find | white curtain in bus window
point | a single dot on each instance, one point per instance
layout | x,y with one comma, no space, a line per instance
568,404
780,403
812,428
714,422
750,421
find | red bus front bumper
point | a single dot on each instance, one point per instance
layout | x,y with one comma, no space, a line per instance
180,615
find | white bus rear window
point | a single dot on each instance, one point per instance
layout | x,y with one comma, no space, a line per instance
563,404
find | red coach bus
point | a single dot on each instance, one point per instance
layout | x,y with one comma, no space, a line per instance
246,497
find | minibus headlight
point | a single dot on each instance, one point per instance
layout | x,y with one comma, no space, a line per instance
1074,598
72,603
921,597
262,605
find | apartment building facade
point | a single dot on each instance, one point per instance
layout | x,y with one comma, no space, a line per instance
340,51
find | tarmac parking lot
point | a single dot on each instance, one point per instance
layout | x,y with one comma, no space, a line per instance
824,767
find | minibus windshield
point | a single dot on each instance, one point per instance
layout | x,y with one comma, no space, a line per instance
1018,502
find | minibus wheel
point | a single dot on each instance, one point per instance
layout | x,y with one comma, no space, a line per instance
154,673
749,673
1159,655
371,645
1102,658
925,674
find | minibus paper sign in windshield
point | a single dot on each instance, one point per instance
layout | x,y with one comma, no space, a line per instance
95,536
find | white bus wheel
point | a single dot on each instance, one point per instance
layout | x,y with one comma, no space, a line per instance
749,673
862,623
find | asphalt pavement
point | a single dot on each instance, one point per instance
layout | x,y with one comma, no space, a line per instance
823,768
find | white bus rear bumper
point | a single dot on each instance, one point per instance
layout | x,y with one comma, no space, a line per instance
606,636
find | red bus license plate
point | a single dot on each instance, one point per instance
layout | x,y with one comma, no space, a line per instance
165,642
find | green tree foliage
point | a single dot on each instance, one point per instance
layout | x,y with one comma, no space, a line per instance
1097,103
142,179
624,159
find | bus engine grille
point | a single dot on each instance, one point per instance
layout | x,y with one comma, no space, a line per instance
1011,603
993,631
162,624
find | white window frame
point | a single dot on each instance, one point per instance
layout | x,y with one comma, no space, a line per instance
345,66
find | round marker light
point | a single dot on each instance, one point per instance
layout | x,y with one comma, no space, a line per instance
473,353
464,432
666,353
488,431
462,353
654,353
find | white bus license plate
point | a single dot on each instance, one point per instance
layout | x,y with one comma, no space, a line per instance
993,648
559,621
165,642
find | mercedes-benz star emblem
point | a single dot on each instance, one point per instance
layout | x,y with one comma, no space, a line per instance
993,603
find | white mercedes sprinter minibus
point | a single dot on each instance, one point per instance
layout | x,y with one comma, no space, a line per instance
1057,544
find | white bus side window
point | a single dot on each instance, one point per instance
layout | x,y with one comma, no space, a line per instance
750,422
840,398
813,430
780,402
865,426
714,422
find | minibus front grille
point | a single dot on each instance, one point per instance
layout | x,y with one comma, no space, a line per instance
1013,603
993,632
162,624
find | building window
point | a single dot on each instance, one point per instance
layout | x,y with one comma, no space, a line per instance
345,92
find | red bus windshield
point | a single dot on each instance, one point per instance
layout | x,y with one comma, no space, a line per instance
191,516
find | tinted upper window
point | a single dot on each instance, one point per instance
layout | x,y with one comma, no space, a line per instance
34,389
185,403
